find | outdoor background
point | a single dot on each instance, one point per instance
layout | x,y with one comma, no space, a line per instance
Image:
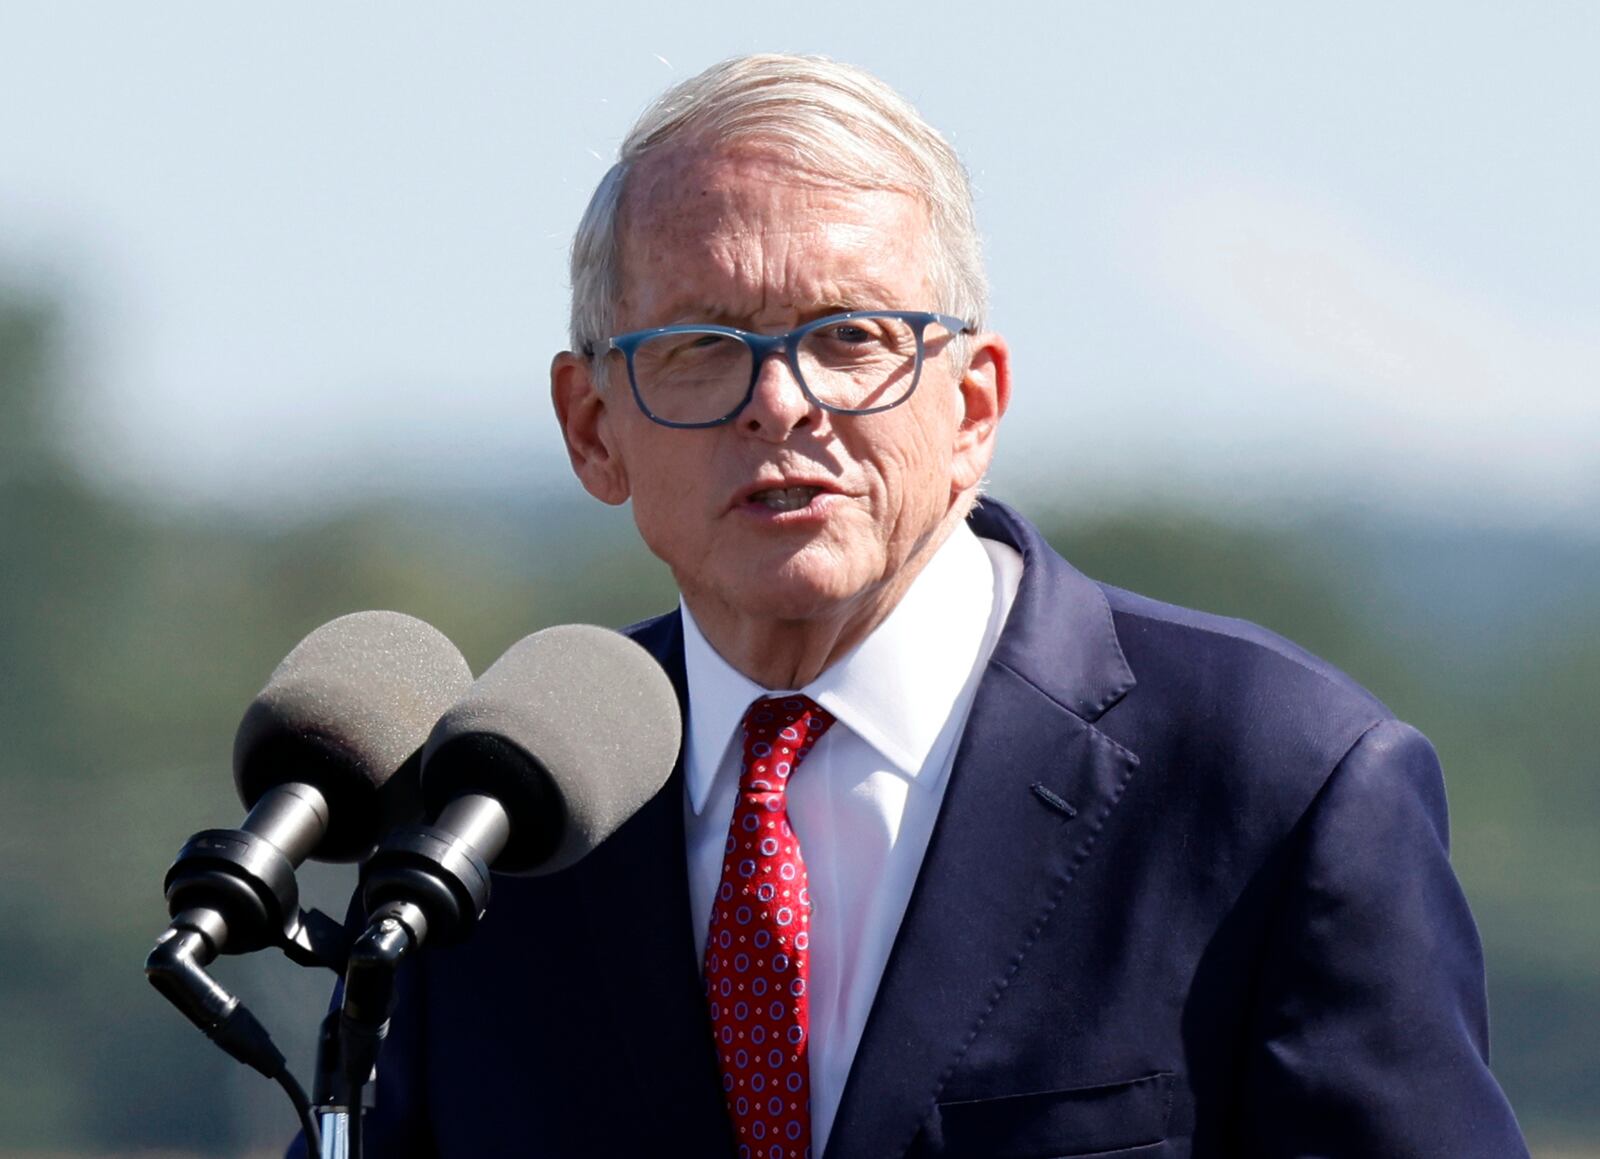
1305,304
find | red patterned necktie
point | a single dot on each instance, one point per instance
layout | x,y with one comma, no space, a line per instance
757,954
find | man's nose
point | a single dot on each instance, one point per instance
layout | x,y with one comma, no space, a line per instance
778,404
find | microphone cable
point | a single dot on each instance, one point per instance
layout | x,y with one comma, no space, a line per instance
302,1108
353,1127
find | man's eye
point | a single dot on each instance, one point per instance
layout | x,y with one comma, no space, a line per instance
848,334
690,345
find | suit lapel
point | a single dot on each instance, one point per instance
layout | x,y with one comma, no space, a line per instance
1032,785
637,907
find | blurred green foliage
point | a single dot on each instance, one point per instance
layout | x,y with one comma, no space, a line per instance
131,639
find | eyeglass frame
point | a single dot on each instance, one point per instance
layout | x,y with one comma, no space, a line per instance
763,346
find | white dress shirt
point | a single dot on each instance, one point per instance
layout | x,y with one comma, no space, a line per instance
865,800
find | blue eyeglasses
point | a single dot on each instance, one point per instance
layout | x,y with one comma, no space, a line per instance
857,363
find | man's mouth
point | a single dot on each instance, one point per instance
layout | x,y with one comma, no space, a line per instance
785,498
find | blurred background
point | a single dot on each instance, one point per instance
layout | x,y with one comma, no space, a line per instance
1305,303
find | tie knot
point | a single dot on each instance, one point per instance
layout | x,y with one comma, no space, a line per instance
778,732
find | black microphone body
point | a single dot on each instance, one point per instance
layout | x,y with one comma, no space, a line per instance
244,877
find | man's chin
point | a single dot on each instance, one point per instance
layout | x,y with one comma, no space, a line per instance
788,595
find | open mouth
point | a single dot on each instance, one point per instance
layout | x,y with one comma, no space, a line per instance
785,498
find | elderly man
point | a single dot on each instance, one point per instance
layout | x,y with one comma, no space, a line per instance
965,854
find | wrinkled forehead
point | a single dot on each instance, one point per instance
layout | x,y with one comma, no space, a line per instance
754,218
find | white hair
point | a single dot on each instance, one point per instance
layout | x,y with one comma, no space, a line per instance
831,119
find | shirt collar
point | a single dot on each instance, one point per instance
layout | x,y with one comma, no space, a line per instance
894,690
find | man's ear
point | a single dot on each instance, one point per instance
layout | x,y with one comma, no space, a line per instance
586,428
985,394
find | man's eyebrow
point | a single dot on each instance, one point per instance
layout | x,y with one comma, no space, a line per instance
838,301
713,313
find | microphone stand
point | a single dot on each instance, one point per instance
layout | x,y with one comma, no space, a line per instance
352,1035
331,1100
422,877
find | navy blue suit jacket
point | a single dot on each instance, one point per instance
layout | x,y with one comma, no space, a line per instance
1188,895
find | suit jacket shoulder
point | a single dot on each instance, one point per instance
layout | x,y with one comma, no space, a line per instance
1272,860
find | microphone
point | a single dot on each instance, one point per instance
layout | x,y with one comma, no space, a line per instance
326,760
556,745
345,712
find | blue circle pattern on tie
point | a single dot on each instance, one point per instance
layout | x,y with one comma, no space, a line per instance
759,939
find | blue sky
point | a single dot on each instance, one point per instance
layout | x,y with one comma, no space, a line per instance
1250,253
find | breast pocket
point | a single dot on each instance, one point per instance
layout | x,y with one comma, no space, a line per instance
1122,1119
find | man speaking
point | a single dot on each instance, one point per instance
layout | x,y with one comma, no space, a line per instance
965,853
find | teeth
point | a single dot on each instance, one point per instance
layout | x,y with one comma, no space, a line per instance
785,498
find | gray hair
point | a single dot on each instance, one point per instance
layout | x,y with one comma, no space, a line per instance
798,104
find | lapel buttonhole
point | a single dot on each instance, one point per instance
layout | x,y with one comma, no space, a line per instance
1044,794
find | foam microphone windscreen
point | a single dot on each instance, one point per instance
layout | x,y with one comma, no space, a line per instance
572,730
347,711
